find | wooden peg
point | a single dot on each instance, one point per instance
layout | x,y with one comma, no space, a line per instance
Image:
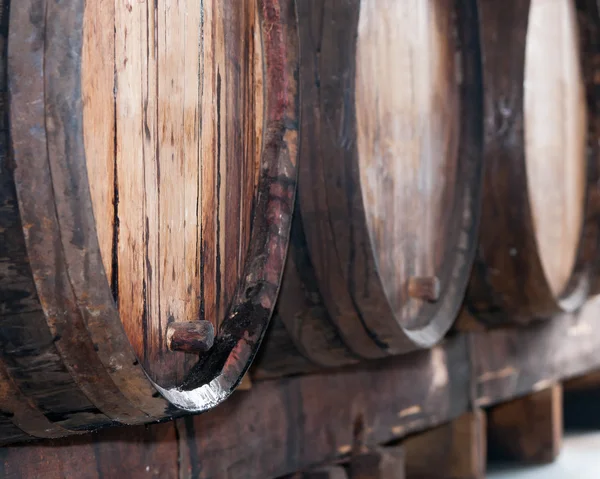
426,288
190,337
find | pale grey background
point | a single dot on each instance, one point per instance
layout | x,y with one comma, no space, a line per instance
579,459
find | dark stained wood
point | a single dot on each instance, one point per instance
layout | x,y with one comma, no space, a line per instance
357,242
456,450
108,454
46,144
510,363
279,355
294,424
278,427
302,336
530,264
332,472
380,463
33,373
312,419
528,429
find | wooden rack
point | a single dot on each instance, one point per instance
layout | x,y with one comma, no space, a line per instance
420,401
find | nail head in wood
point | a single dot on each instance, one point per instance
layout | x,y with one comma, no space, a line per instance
426,288
190,337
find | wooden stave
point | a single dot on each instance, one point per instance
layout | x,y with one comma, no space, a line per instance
301,326
269,242
258,290
38,165
362,342
29,356
532,299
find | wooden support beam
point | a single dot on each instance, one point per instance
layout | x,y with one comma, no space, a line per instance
528,429
378,463
331,472
513,362
456,450
277,428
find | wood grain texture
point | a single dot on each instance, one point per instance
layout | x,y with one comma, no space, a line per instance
511,363
456,450
379,463
187,103
277,428
108,454
516,278
528,429
33,373
302,327
292,424
47,141
345,217
332,472
67,357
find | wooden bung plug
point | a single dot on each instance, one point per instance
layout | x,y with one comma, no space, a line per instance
190,337
426,288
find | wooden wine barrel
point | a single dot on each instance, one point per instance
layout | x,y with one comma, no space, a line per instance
146,187
538,247
389,178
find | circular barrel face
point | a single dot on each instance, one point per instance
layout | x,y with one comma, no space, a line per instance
173,117
555,136
408,119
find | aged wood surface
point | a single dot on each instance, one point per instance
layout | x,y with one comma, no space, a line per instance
378,463
39,73
529,264
67,363
292,424
510,363
456,450
331,472
182,95
368,217
528,429
31,363
278,427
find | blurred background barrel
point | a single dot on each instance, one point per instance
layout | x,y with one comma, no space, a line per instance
385,224
538,244
146,187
